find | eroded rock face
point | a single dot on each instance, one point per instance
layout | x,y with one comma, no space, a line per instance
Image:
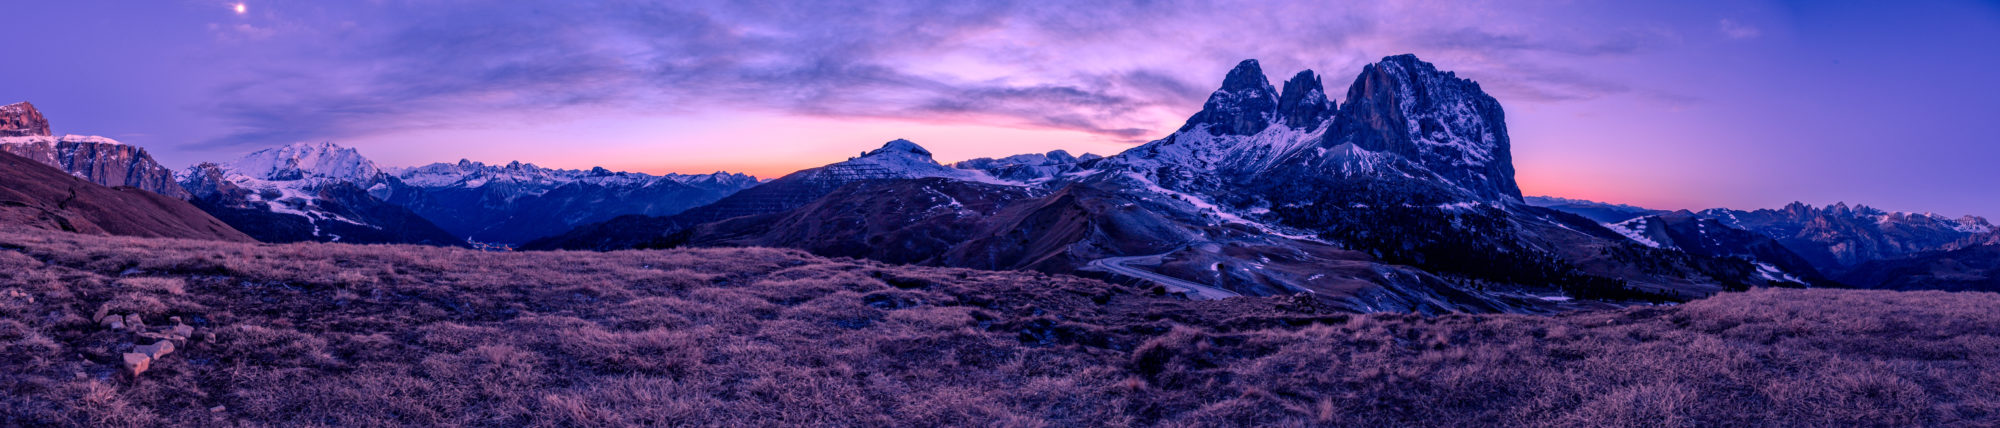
21,120
101,160
1245,104
24,132
1444,124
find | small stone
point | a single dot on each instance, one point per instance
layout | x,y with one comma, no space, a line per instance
184,331
217,409
174,319
157,349
137,363
102,312
134,322
82,376
114,323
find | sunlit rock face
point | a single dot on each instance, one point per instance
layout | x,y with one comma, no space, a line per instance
21,119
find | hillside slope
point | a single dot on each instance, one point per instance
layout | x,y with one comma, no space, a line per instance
33,195
335,334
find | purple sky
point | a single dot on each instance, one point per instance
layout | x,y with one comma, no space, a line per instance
1667,104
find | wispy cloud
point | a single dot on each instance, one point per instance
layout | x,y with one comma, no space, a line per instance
1738,30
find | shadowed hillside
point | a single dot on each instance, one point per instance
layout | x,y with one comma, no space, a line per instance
37,196
333,334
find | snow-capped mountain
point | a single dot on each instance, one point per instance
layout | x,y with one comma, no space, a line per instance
24,132
517,202
309,192
533,180
1403,119
1243,129
1839,236
1260,193
896,159
308,162
1032,168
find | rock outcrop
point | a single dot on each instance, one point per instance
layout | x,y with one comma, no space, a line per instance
21,120
1245,104
1406,108
101,160
24,132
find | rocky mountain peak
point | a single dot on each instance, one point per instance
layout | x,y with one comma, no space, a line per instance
1304,104
307,160
1244,105
1407,107
22,120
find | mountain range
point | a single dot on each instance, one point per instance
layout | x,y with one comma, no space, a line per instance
1402,199
1400,196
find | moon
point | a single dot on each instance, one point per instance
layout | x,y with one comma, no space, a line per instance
240,9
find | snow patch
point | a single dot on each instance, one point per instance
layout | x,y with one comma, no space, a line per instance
1634,232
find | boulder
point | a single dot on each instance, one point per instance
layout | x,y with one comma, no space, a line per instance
136,363
155,350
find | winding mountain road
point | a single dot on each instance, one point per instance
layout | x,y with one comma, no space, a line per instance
1117,265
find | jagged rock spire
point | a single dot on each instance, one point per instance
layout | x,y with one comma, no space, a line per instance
1304,104
1244,105
1407,107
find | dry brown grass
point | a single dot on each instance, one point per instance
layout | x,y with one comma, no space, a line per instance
325,335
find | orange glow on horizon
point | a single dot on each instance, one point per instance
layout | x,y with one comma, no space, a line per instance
766,146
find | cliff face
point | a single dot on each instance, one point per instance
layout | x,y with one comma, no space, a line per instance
98,159
24,132
21,120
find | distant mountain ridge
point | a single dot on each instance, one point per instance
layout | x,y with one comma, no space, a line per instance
518,202
327,193
1853,245
1837,237
1600,211
896,159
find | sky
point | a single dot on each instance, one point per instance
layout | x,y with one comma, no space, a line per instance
1664,104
